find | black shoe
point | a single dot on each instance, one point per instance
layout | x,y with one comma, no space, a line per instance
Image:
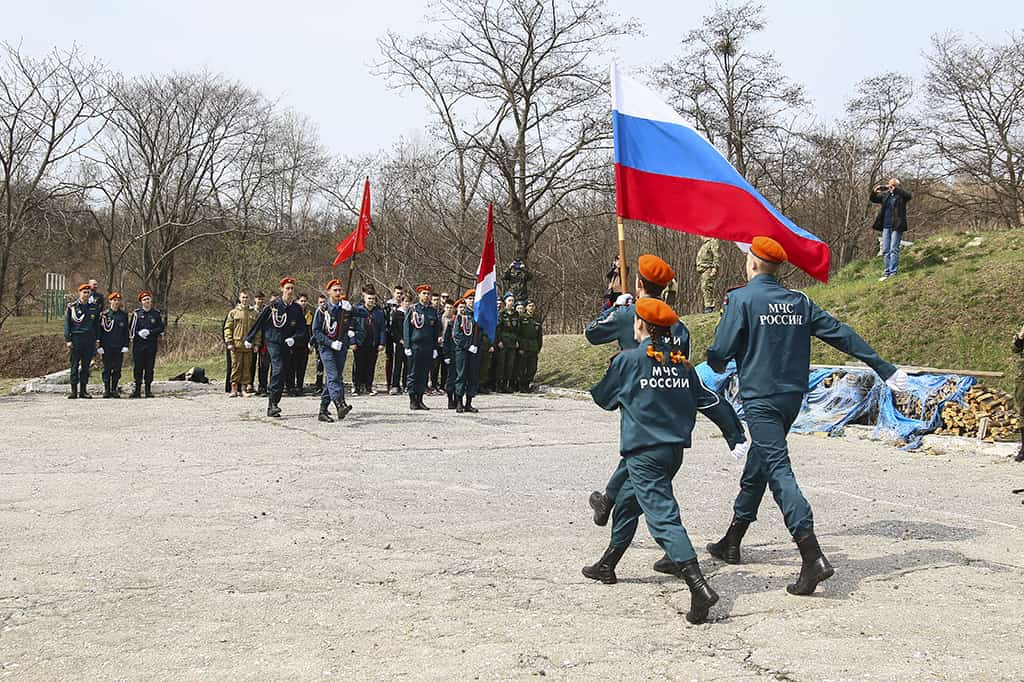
604,569
324,415
815,567
149,391
667,566
602,506
413,403
343,408
469,406
136,392
82,393
74,392
273,410
702,597
106,389
419,403
728,548
115,391
452,402
459,407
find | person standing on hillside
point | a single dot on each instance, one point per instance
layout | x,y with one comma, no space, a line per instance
767,330
1018,394
708,258
81,320
238,323
891,221
147,325
113,345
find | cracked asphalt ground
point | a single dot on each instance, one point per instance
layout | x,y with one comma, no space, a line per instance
191,537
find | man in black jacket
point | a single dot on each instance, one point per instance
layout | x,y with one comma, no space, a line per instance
891,221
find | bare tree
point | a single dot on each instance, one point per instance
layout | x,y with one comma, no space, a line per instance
50,109
976,114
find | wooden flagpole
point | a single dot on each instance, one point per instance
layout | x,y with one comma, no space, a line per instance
622,257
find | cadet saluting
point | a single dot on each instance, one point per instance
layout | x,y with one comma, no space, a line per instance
421,333
767,329
657,393
80,331
283,324
113,344
147,324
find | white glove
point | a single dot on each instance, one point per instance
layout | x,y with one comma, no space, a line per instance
125,349
472,349
144,333
351,334
248,345
408,352
346,306
447,361
289,342
899,381
740,451
336,345
435,354
99,351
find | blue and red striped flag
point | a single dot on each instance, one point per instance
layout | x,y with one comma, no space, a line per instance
485,304
668,174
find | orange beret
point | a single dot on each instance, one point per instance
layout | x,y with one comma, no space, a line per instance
114,296
461,301
470,293
333,283
286,280
655,270
424,287
144,294
656,312
767,249
83,287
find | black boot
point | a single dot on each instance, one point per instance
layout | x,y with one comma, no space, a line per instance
728,548
115,390
324,415
106,388
815,567
604,569
1020,453
602,506
702,597
272,409
452,403
413,403
459,407
419,401
74,392
469,406
149,390
666,565
343,408
82,393
136,393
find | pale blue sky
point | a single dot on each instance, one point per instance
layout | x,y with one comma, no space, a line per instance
314,55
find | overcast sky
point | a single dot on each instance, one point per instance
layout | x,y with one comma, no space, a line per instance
314,56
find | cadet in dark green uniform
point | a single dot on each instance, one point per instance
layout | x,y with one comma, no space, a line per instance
1018,394
81,327
656,391
531,340
506,346
113,344
767,329
145,328
422,329
467,351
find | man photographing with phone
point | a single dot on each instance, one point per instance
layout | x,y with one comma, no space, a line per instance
891,221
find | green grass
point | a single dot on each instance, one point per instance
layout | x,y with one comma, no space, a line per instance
952,306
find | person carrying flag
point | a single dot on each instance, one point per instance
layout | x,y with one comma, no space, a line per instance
767,329
421,337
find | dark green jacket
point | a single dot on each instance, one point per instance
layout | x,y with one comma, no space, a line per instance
531,334
616,324
508,328
81,320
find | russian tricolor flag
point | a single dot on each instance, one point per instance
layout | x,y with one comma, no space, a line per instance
668,174
485,304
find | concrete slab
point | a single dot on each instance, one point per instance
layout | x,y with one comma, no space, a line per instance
190,536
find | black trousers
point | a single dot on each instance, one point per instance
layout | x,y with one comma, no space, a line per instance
438,375
399,368
263,369
389,361
112,363
319,371
144,356
300,361
364,365
82,350
227,376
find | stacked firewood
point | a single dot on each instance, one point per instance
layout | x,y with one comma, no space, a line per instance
910,405
986,413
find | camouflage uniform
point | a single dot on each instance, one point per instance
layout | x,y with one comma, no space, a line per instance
707,266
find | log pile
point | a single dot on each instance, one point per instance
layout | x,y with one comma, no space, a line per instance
909,404
987,413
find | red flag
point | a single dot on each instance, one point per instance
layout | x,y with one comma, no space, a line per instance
356,242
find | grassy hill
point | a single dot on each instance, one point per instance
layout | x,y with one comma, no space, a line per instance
955,304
